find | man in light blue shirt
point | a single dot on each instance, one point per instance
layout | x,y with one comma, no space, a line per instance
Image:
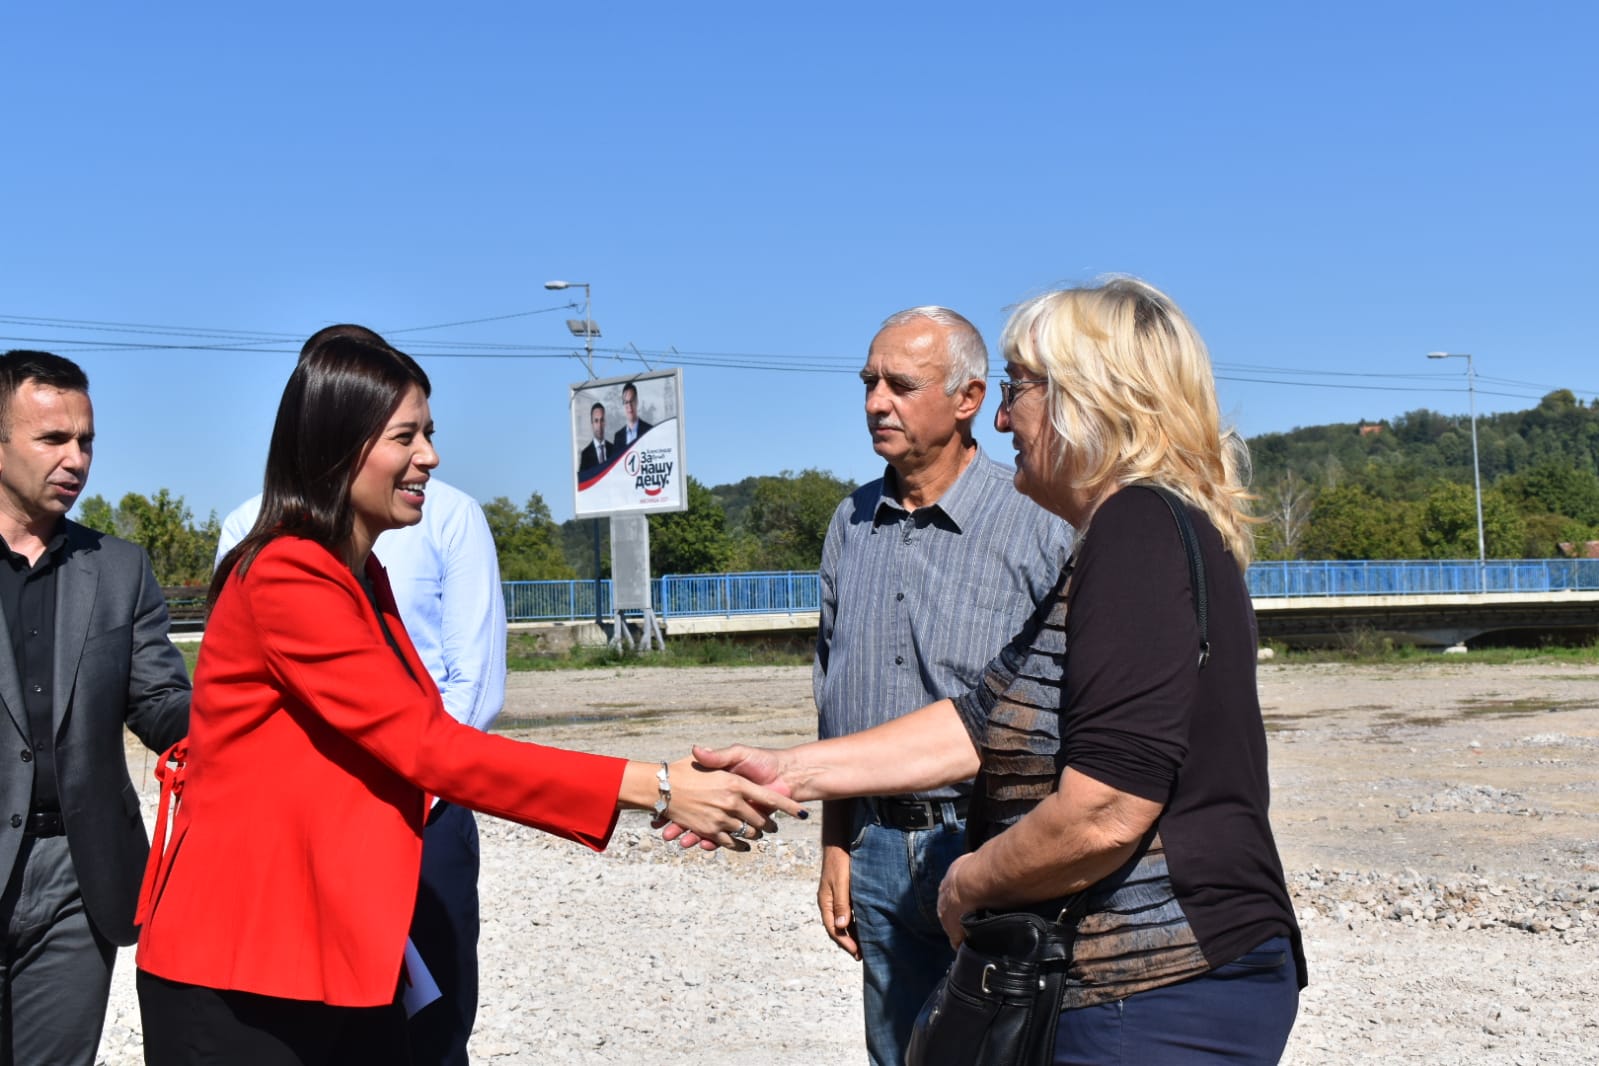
446,580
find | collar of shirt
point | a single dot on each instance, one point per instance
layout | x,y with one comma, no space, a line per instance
960,503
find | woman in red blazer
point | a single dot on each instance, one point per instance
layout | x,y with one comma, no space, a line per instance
275,908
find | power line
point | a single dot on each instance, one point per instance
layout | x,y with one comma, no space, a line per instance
246,342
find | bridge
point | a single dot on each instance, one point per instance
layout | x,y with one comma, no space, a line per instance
1297,602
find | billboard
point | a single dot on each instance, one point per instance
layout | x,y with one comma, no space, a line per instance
627,445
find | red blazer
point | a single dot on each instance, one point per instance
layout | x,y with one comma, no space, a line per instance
295,845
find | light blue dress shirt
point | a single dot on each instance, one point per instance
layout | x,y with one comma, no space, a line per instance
446,580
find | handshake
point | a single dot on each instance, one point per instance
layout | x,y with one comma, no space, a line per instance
725,798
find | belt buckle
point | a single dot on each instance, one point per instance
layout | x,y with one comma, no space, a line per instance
920,815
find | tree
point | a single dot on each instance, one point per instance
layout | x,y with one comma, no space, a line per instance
1286,508
96,513
788,518
694,541
1348,522
1558,488
180,553
1449,524
526,540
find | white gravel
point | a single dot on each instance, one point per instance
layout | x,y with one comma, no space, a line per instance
1431,953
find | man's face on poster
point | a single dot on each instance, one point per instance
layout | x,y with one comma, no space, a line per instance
630,404
597,422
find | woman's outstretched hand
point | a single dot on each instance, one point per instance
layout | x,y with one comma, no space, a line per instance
713,807
758,767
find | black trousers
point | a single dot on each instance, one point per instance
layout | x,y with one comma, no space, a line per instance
189,1025
445,931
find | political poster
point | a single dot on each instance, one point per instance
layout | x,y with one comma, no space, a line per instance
627,445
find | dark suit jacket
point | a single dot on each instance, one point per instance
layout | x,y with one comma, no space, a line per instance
290,866
589,460
113,667
619,442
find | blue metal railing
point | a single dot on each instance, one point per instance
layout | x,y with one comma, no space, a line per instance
1419,577
788,592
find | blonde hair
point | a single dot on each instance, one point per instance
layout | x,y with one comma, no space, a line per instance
1131,397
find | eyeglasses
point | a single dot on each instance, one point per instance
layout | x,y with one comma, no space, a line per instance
1009,389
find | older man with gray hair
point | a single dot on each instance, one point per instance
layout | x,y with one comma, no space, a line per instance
925,574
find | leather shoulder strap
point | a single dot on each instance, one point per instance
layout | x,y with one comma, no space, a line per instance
1196,564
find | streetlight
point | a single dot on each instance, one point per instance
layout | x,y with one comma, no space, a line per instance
588,329
1476,467
584,327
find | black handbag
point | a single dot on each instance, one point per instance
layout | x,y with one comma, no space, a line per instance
1000,1003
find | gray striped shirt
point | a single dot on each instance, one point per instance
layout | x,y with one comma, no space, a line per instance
915,604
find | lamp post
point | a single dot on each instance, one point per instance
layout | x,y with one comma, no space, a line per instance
588,329
1476,467
584,327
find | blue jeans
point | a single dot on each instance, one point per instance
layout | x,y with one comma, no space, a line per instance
894,878
1238,1013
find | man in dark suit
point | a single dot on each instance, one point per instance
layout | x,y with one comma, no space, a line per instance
83,653
598,451
636,427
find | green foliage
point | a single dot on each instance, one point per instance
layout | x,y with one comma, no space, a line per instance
526,540
180,553
694,541
1540,480
1547,532
788,517
523,653
766,523
1349,522
1557,488
96,513
1448,526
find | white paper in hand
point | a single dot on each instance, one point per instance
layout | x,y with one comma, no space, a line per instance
419,987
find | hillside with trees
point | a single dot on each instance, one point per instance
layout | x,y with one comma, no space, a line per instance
1396,489
1402,489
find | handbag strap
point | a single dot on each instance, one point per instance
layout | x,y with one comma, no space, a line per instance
1196,564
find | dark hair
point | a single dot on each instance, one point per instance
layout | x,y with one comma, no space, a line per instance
19,366
600,407
343,329
340,396
630,387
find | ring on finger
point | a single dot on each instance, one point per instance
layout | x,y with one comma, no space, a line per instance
740,832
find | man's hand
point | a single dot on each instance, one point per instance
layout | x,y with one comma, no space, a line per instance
951,906
832,897
759,765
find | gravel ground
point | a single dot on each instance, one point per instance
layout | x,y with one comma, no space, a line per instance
1440,825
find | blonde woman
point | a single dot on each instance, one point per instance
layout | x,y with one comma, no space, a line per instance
1118,741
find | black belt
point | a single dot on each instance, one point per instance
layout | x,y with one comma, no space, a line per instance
909,814
44,824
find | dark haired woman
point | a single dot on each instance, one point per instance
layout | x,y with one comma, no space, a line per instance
274,918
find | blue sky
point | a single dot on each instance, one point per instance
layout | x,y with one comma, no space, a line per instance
1330,191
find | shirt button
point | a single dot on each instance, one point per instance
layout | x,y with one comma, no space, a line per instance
899,660
899,595
27,756
38,688
33,632
16,821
